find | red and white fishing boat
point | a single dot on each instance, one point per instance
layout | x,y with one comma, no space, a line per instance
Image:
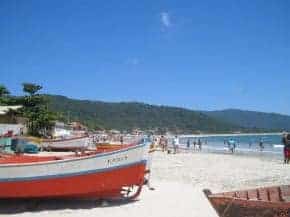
105,174
67,144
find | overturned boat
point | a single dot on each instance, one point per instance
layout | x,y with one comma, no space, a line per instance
116,173
259,202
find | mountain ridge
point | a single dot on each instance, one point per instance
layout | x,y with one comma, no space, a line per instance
130,115
253,119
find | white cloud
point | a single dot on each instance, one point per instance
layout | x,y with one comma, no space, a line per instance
165,19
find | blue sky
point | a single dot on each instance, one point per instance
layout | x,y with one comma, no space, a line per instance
194,54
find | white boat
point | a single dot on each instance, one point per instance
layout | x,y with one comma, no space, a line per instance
68,144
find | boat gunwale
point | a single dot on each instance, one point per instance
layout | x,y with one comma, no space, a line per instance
77,158
255,203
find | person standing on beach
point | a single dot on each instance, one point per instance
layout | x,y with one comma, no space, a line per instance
188,144
162,143
199,143
232,145
286,149
175,145
261,145
121,139
194,145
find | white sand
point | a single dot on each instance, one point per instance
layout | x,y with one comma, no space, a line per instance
179,180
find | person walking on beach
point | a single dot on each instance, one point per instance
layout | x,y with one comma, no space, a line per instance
199,143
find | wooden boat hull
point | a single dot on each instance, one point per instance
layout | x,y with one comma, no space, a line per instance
99,176
96,185
262,202
227,207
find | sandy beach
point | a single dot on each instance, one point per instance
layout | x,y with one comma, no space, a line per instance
178,181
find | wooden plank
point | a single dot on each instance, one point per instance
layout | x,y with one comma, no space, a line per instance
263,194
285,193
274,194
253,194
229,194
242,194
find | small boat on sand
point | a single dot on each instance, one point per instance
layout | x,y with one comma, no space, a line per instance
116,173
259,202
67,144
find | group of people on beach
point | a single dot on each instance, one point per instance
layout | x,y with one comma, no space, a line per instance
172,145
232,144
197,145
165,143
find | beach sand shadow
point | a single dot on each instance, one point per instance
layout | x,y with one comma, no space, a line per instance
31,205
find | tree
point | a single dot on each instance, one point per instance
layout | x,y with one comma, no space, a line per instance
39,118
3,91
31,88
5,98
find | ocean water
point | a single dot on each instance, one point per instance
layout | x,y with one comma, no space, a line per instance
245,143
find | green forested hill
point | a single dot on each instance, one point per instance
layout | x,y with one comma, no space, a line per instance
130,115
126,116
251,119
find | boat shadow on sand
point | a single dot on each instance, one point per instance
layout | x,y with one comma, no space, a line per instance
29,205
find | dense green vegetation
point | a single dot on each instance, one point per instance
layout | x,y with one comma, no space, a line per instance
127,116
251,119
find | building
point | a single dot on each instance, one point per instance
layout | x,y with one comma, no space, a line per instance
60,129
9,121
77,126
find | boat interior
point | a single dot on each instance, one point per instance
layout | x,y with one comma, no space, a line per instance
6,158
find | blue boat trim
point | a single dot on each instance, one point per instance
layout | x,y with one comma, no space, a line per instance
74,159
20,179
